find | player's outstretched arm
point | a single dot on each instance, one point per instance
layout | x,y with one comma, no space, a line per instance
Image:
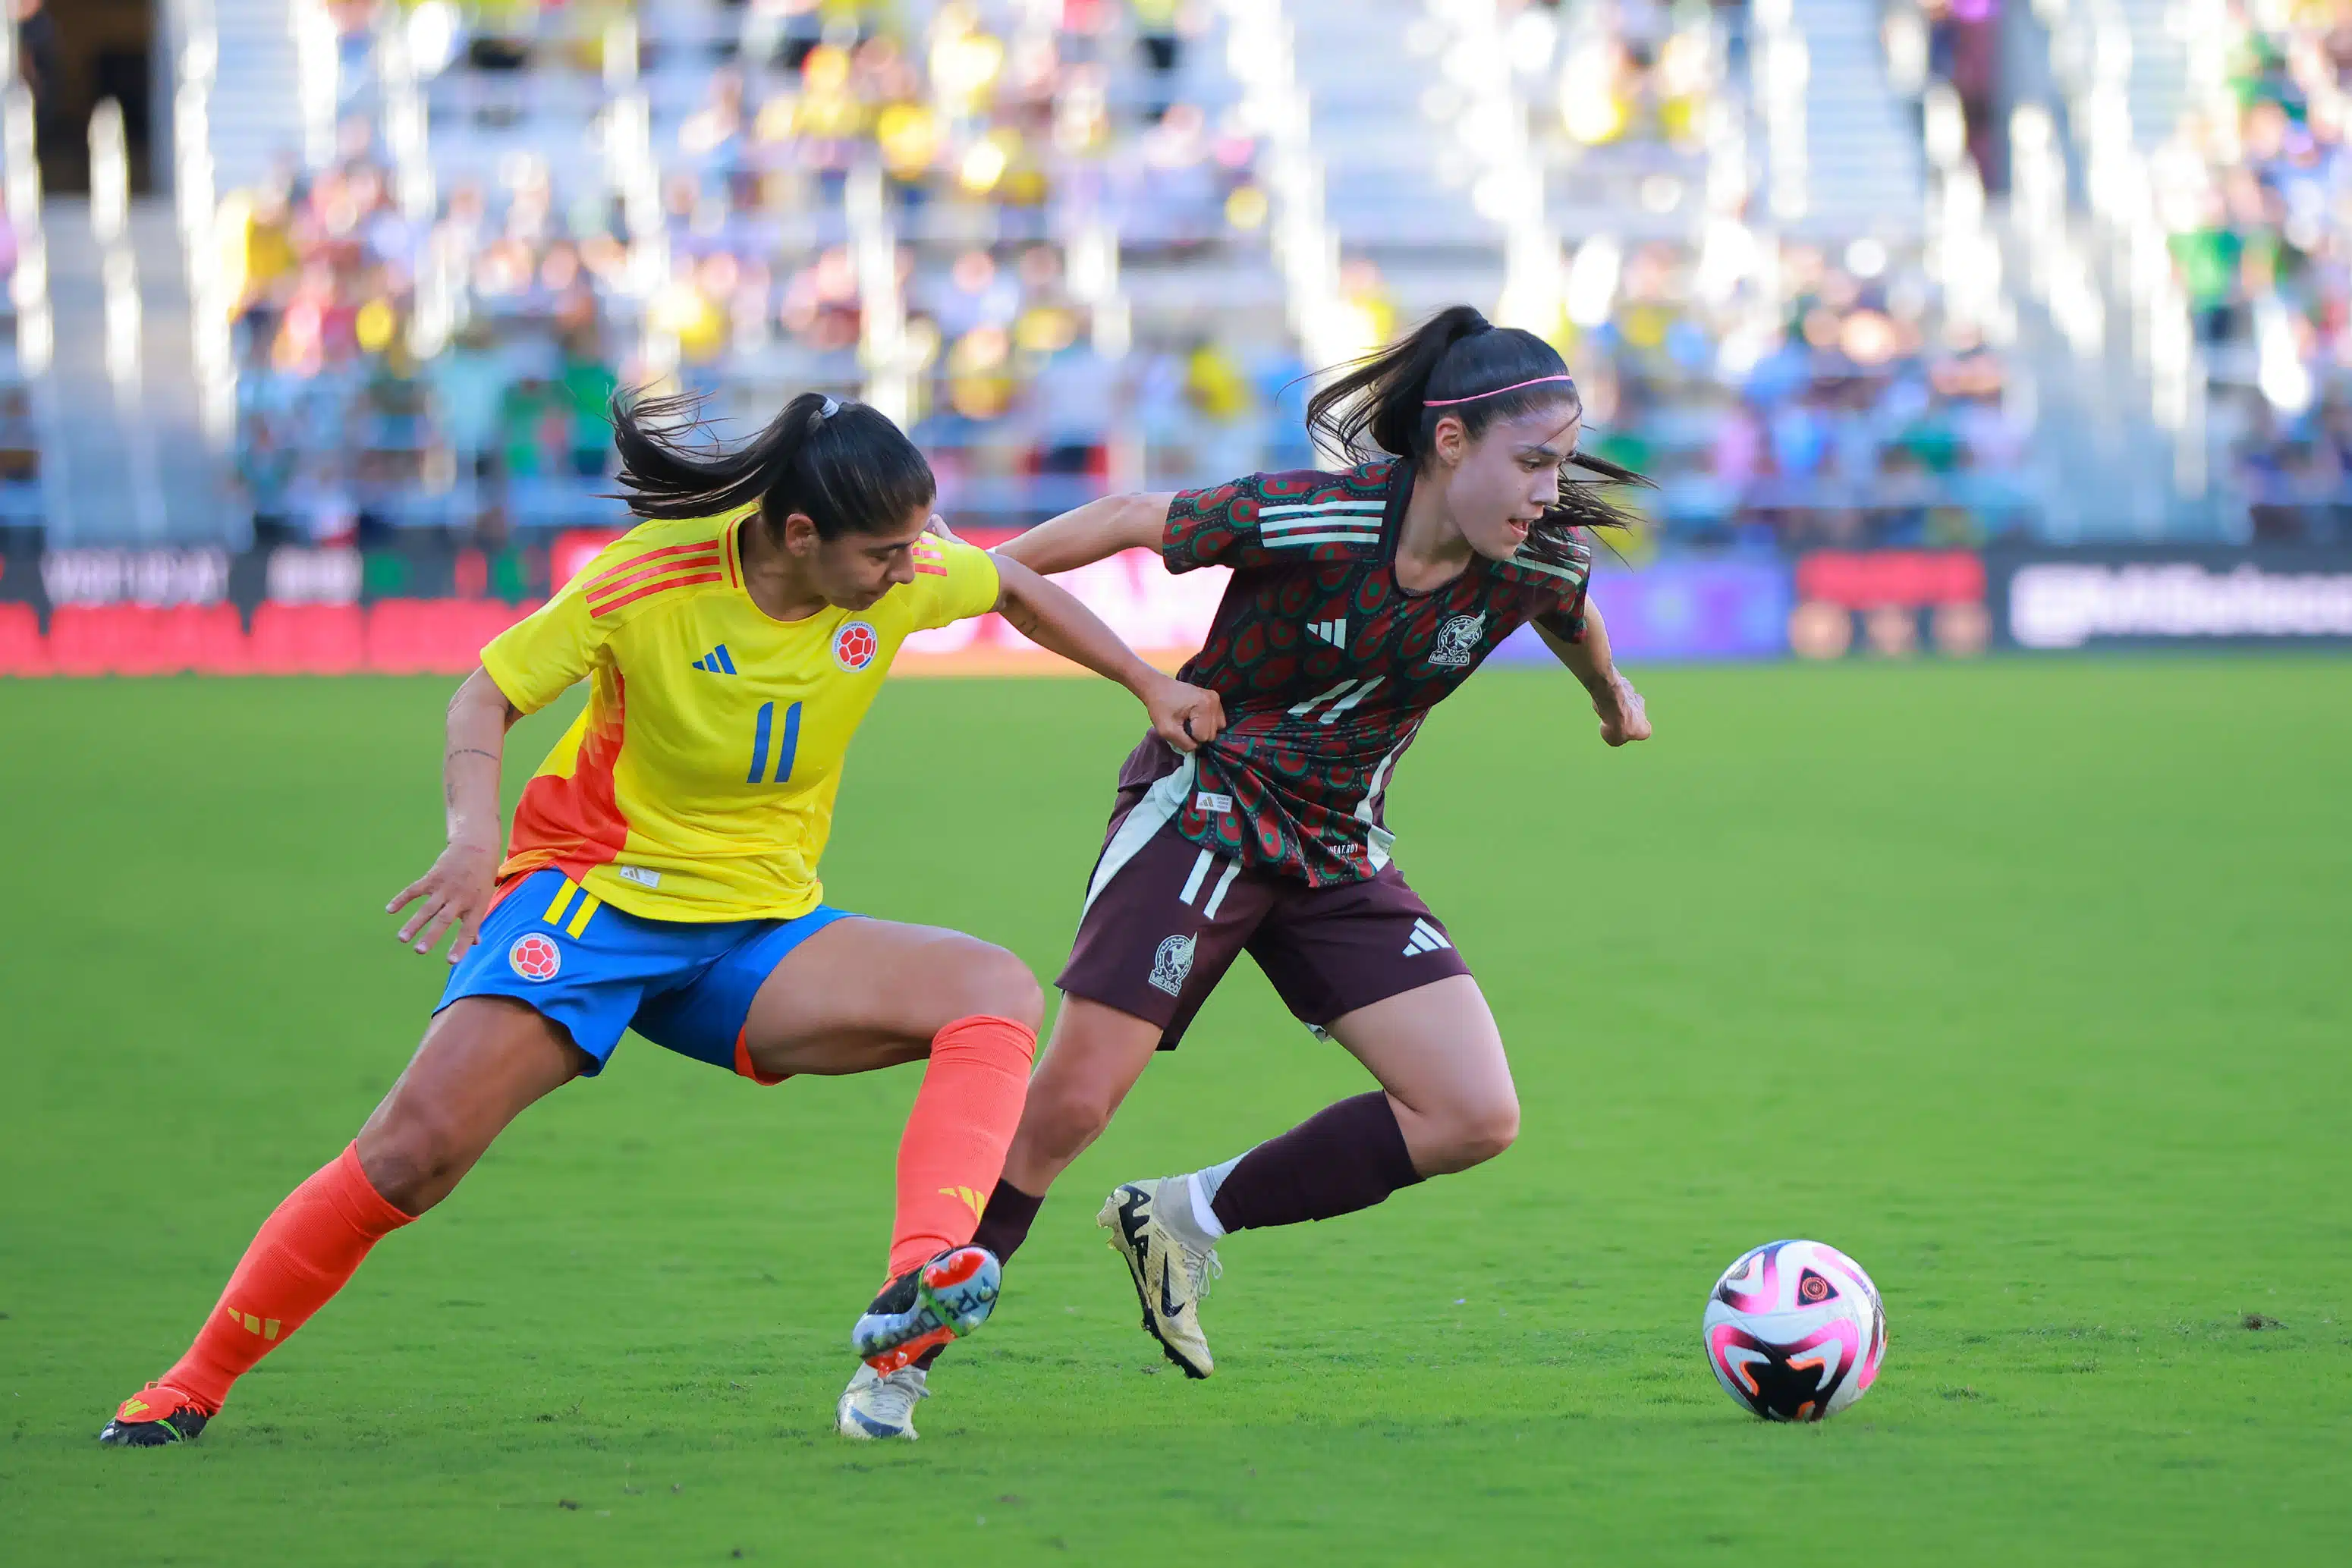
1585,650
1096,531
457,890
1182,715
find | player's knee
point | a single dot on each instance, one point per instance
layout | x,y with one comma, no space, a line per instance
1491,1130
1064,1120
412,1155
1476,1134
997,983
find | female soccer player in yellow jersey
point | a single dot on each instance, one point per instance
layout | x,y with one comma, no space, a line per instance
661,875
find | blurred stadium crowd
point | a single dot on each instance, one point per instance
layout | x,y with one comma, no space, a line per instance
451,367
1050,235
2255,188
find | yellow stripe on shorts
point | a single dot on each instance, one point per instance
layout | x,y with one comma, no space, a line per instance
588,904
554,915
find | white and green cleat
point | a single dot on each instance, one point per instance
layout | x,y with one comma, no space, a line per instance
1170,1262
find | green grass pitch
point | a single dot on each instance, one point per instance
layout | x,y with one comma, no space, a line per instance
2023,983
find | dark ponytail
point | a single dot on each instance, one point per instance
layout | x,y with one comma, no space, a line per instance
843,463
1459,354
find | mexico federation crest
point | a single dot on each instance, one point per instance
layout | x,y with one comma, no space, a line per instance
535,957
1457,641
1171,964
854,646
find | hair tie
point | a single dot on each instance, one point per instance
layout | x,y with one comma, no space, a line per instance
1493,391
832,406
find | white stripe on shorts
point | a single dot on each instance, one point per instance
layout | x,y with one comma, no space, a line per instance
1199,869
1154,811
1217,898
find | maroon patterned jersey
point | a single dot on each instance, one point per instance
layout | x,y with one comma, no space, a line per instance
1326,667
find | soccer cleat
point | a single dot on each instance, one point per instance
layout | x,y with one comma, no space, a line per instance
925,1308
880,1406
1171,1275
153,1417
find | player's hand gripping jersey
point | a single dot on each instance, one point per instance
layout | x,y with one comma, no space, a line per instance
1326,665
699,783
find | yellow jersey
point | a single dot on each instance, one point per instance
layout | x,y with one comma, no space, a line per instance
697,784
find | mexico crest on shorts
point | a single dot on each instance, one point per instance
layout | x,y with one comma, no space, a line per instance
534,956
1457,641
1171,964
854,646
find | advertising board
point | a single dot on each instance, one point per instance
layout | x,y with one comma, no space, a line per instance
2150,597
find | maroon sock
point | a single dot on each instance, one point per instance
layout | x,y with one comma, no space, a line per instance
1344,1157
1004,1223
1003,1226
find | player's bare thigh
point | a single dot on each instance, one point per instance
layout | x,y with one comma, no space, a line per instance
1437,1052
863,994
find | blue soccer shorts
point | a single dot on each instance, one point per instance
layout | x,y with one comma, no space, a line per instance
597,970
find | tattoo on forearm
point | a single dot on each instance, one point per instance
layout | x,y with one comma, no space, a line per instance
449,786
1022,616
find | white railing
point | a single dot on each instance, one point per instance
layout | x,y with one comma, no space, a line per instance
2091,56
1962,254
632,172
196,198
1261,53
882,347
109,222
319,71
35,331
1490,121
2060,269
1783,67
1090,257
407,125
29,288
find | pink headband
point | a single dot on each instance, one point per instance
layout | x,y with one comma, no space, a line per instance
1497,391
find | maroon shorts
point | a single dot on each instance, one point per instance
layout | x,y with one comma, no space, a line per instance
1165,918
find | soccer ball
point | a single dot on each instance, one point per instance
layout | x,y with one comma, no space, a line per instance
1794,1331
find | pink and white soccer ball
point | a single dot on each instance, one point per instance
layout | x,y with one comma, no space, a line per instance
1794,1331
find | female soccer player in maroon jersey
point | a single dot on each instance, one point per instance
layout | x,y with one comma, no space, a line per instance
1359,601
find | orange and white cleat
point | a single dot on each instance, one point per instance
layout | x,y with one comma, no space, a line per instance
946,1299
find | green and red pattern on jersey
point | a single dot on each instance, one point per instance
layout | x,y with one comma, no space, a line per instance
1326,665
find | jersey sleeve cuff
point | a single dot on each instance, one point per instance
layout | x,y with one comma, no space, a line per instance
508,680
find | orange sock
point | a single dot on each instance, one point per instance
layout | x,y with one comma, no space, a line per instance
956,1136
303,1254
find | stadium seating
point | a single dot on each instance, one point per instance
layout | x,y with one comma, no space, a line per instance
720,214
2248,187
1856,414
1085,244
